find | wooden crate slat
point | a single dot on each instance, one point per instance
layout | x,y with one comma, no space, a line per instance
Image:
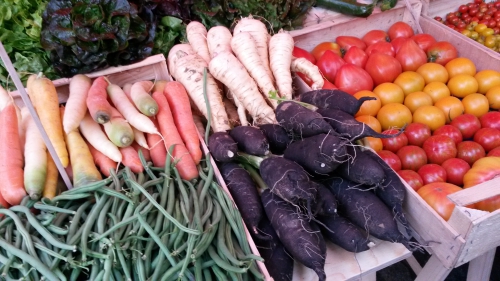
475,193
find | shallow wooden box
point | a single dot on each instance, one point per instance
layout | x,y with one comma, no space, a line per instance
151,68
433,8
469,233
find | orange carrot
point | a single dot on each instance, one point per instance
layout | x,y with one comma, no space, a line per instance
145,152
184,162
11,157
102,161
50,186
178,101
156,147
97,101
131,159
159,86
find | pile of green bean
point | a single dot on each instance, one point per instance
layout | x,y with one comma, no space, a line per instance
147,226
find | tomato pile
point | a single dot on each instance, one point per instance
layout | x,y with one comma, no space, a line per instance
477,20
448,109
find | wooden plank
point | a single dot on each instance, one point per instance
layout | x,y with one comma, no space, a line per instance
433,270
476,193
482,237
480,267
483,57
440,8
414,264
344,265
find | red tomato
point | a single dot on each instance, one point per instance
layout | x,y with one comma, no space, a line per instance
352,79
328,85
470,151
301,53
417,133
383,68
346,42
439,148
411,56
441,52
396,43
356,56
488,138
432,173
305,78
320,49
412,157
391,159
468,125
374,36
490,120
329,64
381,47
450,131
455,170
395,143
412,178
436,195
494,152
400,29
463,9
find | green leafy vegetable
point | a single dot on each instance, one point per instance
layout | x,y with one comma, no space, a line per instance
20,27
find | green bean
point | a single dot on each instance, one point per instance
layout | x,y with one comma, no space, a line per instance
101,220
184,212
75,273
8,239
170,201
114,193
89,223
60,275
157,239
108,265
207,276
255,271
123,264
141,178
51,208
181,188
75,222
171,271
218,273
39,245
31,259
57,230
208,180
208,211
221,244
5,221
71,197
22,230
161,259
153,182
222,264
41,229
205,241
100,276
162,210
175,231
90,187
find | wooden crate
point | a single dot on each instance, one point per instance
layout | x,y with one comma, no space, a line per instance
432,8
151,68
469,233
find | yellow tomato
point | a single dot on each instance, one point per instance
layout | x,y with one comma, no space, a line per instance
462,85
430,115
389,93
460,66
394,116
476,104
487,79
369,107
433,72
437,91
480,27
410,81
493,96
373,143
371,121
451,107
416,100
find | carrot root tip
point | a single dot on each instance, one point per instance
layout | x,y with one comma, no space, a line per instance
102,119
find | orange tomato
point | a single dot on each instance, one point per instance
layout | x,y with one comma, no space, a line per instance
476,104
487,79
460,66
389,93
369,107
321,48
437,90
371,121
373,143
451,107
433,72
394,115
493,96
410,81
483,170
436,195
430,115
462,85
416,100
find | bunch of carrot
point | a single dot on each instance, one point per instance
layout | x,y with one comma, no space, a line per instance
101,126
253,68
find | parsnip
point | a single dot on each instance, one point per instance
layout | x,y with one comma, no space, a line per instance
218,40
306,67
172,58
280,53
197,36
